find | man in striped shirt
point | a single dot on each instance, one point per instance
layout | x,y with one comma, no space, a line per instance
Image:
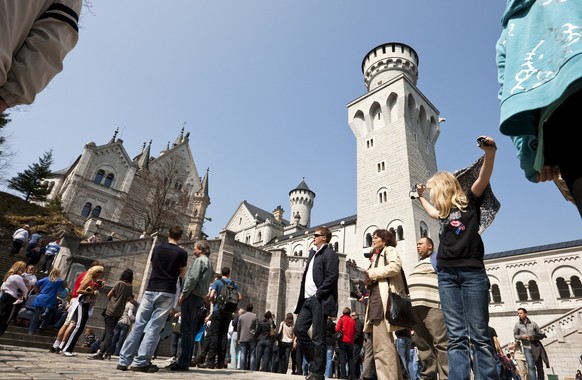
430,333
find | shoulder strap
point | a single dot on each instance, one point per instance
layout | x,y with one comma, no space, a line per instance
401,275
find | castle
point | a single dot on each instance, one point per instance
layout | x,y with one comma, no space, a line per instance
105,190
396,128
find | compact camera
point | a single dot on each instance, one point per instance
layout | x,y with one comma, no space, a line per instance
414,192
481,141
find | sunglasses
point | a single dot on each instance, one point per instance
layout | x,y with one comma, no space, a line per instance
317,235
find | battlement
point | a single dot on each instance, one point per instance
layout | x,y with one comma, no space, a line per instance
388,60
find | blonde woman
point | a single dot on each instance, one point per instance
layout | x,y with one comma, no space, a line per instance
86,292
13,288
463,283
384,274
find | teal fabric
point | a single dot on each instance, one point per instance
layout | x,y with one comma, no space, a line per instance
539,57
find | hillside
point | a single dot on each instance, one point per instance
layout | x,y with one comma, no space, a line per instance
15,212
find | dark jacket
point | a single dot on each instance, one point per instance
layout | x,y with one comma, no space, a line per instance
325,276
359,338
264,329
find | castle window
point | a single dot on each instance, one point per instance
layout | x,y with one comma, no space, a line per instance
563,290
576,286
99,177
391,229
86,209
96,211
259,237
368,240
109,180
533,290
248,240
400,233
495,294
381,166
423,229
336,246
521,291
370,143
382,196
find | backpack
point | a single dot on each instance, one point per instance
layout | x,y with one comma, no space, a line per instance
228,298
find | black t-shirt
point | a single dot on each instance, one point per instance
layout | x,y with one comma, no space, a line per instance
167,260
460,242
492,333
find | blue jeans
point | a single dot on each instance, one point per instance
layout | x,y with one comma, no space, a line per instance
152,312
403,345
329,361
248,355
531,364
33,325
313,348
263,355
119,334
464,294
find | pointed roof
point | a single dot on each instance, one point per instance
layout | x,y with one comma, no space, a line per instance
144,159
180,138
205,183
302,186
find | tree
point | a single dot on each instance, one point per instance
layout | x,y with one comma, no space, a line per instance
159,196
29,181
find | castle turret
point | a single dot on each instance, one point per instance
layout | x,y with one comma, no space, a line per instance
387,61
301,200
278,214
396,128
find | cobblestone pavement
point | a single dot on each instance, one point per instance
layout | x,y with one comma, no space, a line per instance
32,363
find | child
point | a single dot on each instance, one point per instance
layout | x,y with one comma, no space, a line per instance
89,337
463,283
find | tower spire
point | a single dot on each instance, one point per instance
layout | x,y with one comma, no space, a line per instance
114,138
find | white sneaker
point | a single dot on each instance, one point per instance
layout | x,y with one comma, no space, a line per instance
69,354
172,359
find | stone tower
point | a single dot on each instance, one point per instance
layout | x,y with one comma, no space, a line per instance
301,200
200,202
396,128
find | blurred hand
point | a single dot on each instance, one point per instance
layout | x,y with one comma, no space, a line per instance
548,173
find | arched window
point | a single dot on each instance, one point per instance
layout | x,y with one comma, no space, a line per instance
300,252
86,209
495,293
259,237
96,211
248,240
521,291
400,232
336,246
99,177
563,290
533,290
392,231
109,180
423,229
576,286
368,240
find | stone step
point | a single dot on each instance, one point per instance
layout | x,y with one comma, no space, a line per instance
43,339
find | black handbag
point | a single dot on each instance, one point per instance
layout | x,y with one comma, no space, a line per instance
399,310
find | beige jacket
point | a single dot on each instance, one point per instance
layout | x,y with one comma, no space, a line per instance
388,277
36,36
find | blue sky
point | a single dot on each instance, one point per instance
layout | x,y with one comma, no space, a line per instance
263,88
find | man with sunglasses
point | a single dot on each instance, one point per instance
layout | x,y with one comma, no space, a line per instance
317,300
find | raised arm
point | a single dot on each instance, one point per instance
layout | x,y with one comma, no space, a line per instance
480,184
429,208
